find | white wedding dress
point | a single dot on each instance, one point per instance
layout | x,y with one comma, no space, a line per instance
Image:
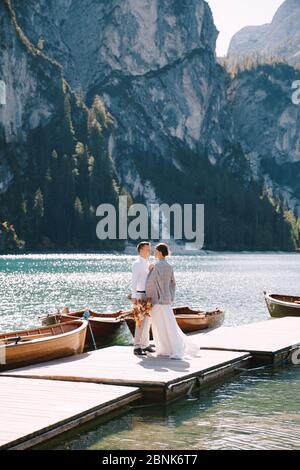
168,338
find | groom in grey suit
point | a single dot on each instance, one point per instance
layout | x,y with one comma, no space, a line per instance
140,271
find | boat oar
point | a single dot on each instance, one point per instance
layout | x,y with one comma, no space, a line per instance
86,316
13,339
124,315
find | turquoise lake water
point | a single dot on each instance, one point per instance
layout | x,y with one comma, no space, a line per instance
259,410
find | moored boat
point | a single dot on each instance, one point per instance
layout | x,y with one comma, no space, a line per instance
192,320
102,326
25,347
282,305
189,320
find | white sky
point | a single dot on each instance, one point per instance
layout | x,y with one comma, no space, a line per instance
232,15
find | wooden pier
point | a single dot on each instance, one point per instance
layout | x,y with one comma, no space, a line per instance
270,341
33,411
158,378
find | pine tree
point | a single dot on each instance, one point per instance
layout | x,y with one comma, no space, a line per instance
68,141
103,189
38,215
79,233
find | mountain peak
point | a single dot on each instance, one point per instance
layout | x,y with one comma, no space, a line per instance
280,38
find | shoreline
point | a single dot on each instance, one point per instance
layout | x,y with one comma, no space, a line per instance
131,251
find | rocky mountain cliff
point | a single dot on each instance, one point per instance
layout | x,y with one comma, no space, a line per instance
153,65
269,130
172,130
261,92
279,38
49,143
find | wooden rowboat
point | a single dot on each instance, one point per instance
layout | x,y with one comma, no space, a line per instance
282,305
189,320
25,347
103,325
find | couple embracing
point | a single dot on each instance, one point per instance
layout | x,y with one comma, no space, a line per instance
153,292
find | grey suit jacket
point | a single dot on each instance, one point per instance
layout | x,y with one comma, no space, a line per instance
160,284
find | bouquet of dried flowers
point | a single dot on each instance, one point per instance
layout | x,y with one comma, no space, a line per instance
141,309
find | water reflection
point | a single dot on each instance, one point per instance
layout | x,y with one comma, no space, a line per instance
38,284
258,410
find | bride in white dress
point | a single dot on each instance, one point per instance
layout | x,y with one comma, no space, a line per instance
169,339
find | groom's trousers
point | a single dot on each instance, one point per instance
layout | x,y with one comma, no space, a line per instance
142,333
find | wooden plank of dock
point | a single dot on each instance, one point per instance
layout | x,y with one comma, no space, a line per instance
33,411
269,341
159,378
